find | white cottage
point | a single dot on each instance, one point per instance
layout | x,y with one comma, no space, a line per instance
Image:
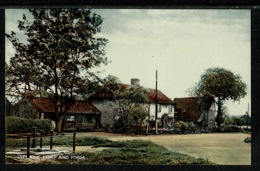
105,101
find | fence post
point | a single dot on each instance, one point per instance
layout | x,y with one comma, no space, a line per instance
34,135
41,139
74,142
51,140
28,146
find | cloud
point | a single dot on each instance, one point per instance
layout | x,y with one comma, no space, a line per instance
181,44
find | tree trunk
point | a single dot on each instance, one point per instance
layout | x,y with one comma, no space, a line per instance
59,124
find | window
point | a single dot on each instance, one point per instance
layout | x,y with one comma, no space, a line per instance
69,118
170,109
159,108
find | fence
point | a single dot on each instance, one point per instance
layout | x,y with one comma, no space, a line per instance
33,136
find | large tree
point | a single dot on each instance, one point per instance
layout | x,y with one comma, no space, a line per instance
130,98
221,84
132,113
58,58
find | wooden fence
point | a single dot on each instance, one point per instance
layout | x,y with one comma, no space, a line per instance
33,136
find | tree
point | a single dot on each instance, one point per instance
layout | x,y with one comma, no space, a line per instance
131,112
228,120
56,61
221,84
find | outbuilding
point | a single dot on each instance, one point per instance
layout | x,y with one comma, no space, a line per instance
80,116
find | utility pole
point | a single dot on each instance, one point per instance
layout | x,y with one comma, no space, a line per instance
247,116
156,104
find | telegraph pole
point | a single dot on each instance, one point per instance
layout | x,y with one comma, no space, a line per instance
247,116
156,104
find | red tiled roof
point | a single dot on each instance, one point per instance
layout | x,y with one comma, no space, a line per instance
189,109
107,94
80,106
161,98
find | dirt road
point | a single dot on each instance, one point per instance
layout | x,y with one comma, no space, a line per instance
226,149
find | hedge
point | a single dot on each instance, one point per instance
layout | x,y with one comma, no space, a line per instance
23,125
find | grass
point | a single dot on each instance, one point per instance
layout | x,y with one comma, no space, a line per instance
134,152
121,152
59,140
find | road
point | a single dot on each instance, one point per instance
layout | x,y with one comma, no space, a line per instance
220,148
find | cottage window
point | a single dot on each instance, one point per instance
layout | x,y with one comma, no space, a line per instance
170,109
69,118
159,108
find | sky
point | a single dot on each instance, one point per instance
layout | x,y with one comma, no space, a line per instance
180,43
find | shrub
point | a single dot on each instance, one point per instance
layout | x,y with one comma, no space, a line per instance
193,128
247,140
131,121
226,129
23,125
180,125
152,123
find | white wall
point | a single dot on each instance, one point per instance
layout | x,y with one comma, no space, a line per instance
164,109
108,113
107,109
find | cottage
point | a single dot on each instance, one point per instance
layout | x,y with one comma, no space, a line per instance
195,110
81,115
105,101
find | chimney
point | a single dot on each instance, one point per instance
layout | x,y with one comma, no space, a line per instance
135,81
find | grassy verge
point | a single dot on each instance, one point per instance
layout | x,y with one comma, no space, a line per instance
59,140
134,152
121,152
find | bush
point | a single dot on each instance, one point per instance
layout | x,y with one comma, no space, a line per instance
180,125
131,121
226,129
247,140
23,125
193,128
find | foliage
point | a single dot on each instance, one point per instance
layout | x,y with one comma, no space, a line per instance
131,112
193,128
238,121
228,120
180,125
58,58
226,129
222,84
23,125
247,140
15,142
112,83
152,122
246,119
131,121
